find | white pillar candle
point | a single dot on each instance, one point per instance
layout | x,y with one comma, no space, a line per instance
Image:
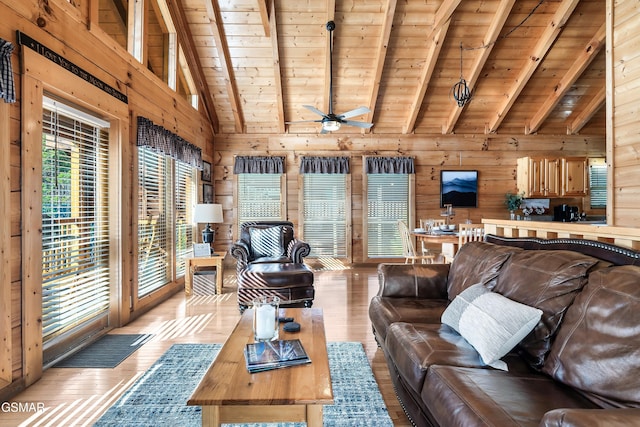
265,322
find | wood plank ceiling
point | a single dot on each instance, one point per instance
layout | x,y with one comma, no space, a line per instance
532,66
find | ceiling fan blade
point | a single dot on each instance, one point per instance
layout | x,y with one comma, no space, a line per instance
363,125
355,112
304,121
314,109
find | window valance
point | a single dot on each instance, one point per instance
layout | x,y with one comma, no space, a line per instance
166,142
314,164
7,87
258,164
399,165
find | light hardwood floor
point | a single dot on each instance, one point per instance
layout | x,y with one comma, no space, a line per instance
79,396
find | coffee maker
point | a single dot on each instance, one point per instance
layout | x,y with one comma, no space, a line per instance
566,213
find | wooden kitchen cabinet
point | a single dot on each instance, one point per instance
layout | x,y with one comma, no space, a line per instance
575,179
539,177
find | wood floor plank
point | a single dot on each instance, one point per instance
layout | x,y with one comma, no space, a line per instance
73,396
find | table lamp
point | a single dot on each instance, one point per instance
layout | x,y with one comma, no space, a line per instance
207,213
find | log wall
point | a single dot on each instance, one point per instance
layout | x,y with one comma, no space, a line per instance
623,90
493,156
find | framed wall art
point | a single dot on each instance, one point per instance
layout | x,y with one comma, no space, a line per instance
459,188
206,171
207,193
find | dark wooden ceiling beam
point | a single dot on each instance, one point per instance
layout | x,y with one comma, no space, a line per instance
582,61
438,33
545,42
217,27
185,39
497,23
381,54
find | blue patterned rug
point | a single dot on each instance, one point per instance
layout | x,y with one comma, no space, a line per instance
159,397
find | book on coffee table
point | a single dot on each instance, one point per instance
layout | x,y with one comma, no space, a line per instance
267,355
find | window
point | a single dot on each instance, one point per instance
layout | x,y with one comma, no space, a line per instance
185,197
387,202
75,220
154,217
260,197
325,214
598,183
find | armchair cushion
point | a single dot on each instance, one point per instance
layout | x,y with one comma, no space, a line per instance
267,242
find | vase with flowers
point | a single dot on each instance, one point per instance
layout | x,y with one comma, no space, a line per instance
513,202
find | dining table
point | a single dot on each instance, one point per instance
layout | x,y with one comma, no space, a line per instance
448,241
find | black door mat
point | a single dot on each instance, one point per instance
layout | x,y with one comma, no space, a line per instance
106,352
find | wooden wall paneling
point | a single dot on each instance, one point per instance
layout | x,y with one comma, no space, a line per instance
5,245
31,232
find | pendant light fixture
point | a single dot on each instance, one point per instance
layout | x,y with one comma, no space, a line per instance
461,92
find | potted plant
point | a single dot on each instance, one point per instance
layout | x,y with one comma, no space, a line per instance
513,202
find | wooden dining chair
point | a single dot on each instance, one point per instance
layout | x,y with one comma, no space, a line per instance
409,249
424,246
470,233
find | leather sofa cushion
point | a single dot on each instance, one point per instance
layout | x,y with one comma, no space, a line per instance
547,280
383,311
476,262
458,396
597,348
414,347
413,280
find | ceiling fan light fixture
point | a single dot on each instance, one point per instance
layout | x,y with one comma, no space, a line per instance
330,125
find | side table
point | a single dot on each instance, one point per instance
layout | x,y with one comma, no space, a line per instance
215,260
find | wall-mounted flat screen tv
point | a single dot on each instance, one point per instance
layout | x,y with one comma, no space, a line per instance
459,188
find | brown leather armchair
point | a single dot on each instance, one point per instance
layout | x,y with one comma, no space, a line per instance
270,262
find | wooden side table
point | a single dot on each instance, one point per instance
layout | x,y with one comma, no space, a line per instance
215,260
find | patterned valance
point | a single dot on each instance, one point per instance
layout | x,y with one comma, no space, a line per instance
313,164
258,164
166,142
389,165
7,87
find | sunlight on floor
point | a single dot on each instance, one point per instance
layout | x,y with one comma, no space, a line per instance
88,409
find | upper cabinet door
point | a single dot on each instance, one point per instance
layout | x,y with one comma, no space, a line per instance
575,181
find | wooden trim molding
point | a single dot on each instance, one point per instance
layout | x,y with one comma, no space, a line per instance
5,245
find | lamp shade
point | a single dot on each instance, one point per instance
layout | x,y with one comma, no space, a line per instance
207,213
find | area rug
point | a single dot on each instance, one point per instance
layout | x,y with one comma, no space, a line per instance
107,352
158,398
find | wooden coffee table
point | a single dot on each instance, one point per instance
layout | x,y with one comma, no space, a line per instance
228,393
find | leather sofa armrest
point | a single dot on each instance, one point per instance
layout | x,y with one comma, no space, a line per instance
413,280
567,417
240,251
297,250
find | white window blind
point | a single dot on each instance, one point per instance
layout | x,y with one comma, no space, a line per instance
154,217
259,197
598,185
324,214
75,219
387,202
185,198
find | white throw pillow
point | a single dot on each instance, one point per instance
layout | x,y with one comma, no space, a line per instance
494,324
453,312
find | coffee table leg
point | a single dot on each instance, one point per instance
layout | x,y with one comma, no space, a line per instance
211,416
314,415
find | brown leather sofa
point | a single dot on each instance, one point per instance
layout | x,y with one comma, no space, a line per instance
579,366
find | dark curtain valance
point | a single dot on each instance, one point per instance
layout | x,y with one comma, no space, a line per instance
312,164
389,165
166,142
258,164
7,87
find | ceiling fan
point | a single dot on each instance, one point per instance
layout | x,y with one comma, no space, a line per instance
330,121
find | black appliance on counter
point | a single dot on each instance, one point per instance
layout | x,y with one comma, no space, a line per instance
566,213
